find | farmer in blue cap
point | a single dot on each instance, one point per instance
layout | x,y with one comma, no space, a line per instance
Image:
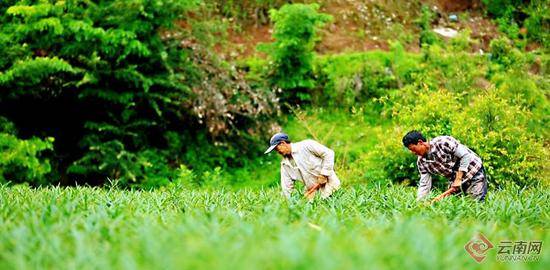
308,162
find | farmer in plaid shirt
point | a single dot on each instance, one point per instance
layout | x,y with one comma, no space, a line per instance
445,155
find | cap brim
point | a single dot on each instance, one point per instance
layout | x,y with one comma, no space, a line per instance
270,149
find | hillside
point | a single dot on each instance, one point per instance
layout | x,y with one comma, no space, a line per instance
366,25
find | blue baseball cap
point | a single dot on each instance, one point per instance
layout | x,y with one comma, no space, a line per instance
275,140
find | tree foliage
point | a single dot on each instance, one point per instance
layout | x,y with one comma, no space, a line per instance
20,159
116,83
295,29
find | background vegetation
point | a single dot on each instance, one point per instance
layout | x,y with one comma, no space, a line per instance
133,92
123,90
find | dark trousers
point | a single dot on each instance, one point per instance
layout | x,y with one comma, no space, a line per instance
477,186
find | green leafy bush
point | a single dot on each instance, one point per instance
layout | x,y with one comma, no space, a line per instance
146,169
495,129
511,15
427,36
538,22
432,113
498,132
255,11
353,79
520,89
499,8
440,95
21,160
389,161
116,82
130,96
455,71
504,54
295,28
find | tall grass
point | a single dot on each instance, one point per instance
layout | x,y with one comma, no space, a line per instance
178,228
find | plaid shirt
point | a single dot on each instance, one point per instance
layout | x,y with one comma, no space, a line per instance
443,159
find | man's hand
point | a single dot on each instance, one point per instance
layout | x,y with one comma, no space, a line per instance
310,193
447,193
322,179
458,180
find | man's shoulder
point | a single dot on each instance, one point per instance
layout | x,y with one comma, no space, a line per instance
305,142
443,140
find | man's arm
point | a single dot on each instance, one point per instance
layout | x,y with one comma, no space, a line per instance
287,184
424,186
465,158
323,152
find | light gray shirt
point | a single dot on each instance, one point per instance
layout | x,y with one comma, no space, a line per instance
308,160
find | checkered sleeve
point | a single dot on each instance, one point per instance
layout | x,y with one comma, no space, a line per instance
448,145
421,166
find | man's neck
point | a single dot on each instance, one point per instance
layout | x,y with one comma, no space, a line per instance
428,148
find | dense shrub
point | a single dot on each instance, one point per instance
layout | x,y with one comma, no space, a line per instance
295,29
504,121
256,11
444,68
353,79
432,113
520,89
350,80
427,36
442,93
501,7
124,89
498,132
538,22
495,129
147,168
20,160
504,54
511,15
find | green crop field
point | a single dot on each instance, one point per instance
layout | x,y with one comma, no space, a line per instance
177,228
